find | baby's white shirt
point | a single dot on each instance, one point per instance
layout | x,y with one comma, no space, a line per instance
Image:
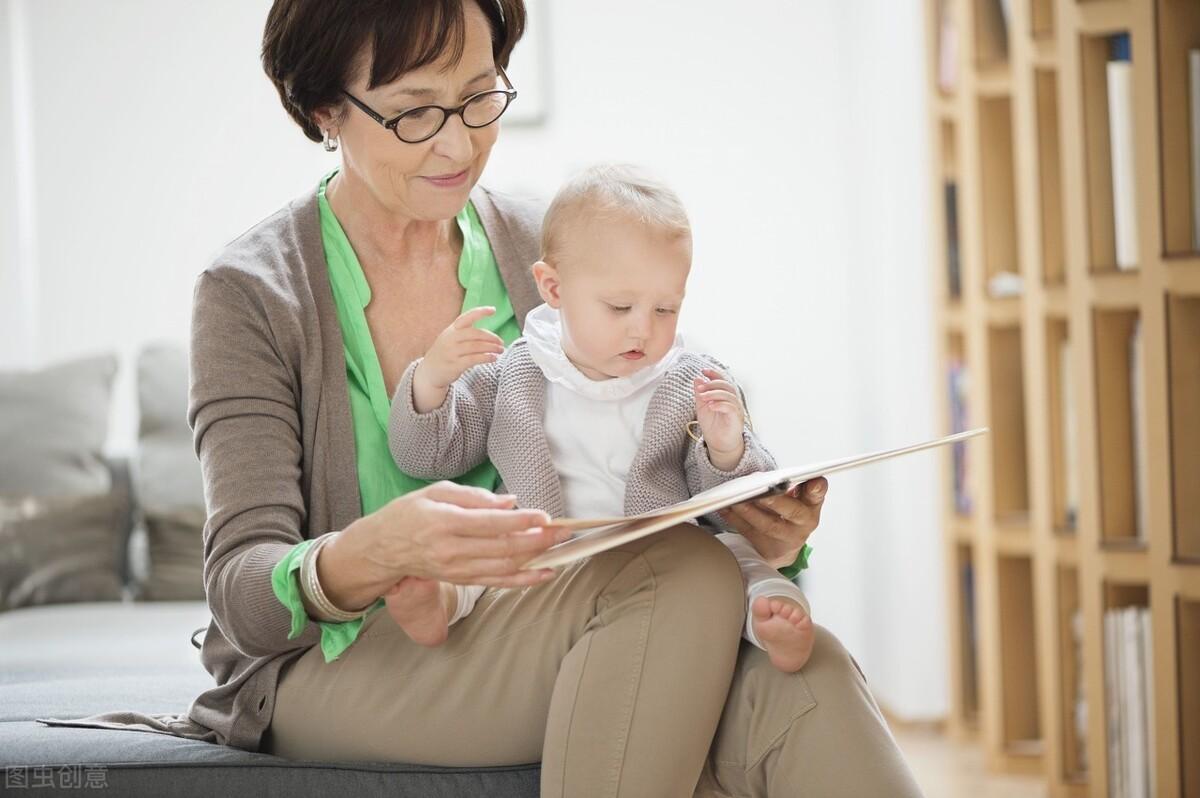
594,429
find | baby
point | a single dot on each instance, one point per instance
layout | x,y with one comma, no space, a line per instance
592,413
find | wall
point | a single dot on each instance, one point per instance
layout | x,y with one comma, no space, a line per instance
795,135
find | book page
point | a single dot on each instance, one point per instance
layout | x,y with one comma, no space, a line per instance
601,534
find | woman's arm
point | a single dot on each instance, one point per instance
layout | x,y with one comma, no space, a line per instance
247,432
242,408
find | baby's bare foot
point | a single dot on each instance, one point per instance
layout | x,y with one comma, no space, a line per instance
785,630
418,606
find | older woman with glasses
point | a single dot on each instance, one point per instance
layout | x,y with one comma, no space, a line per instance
621,674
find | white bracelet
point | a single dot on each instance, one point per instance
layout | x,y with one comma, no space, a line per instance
311,586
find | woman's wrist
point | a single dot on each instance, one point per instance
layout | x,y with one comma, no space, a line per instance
797,564
347,575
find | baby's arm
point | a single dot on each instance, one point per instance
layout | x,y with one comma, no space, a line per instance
729,448
761,580
452,439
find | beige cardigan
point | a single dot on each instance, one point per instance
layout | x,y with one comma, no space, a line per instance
270,412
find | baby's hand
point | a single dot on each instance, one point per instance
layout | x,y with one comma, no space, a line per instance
459,347
721,417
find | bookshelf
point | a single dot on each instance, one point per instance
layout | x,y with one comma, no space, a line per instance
1067,278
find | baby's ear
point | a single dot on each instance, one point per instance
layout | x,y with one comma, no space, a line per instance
546,277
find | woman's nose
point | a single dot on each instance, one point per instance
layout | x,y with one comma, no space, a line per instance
453,141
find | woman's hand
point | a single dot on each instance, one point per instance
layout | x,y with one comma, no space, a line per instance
456,349
778,526
445,531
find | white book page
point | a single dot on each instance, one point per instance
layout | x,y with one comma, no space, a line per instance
605,533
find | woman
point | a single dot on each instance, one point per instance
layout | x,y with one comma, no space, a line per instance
302,328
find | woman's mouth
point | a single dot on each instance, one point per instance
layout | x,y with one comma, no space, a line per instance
449,181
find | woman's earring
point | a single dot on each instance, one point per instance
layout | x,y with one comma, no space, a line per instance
331,144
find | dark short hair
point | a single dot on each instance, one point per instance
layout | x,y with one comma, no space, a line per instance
310,47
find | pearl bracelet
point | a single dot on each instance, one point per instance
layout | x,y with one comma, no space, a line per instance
326,610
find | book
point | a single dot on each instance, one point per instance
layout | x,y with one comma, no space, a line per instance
1137,429
1005,284
1128,694
594,535
1070,460
947,48
958,423
1081,707
953,264
1194,91
1134,696
970,661
1120,132
1114,722
1148,692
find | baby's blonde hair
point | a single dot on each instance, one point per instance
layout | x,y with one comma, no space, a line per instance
613,190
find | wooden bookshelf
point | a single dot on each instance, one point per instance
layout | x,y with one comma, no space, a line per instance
1086,496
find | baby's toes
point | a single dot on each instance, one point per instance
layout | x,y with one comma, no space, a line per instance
762,608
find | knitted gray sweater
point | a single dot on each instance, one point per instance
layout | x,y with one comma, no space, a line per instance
495,411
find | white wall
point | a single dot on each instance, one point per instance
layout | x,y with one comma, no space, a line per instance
15,340
793,129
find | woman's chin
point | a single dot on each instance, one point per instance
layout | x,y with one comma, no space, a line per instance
436,202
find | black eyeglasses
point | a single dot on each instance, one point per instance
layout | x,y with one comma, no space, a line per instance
423,123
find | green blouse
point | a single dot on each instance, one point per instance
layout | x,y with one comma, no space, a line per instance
379,480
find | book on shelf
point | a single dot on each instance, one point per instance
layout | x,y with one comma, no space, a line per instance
1134,696
958,423
1005,284
1120,133
947,48
1128,666
1147,651
1080,715
970,654
1194,91
1066,404
953,265
1137,429
1113,721
594,535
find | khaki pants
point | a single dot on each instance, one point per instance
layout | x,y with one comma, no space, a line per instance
616,676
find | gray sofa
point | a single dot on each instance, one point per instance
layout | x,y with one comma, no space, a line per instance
79,635
74,660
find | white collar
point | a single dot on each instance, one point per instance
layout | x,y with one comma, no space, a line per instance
543,334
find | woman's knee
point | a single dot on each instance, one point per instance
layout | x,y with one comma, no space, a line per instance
832,668
692,561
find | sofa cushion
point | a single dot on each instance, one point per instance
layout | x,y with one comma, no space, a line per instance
76,660
167,477
53,428
62,525
60,549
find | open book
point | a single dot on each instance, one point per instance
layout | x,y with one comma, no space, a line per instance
600,534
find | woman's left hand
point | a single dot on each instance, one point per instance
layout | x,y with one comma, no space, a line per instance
778,526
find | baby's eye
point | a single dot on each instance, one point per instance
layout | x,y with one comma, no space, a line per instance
620,308
666,311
